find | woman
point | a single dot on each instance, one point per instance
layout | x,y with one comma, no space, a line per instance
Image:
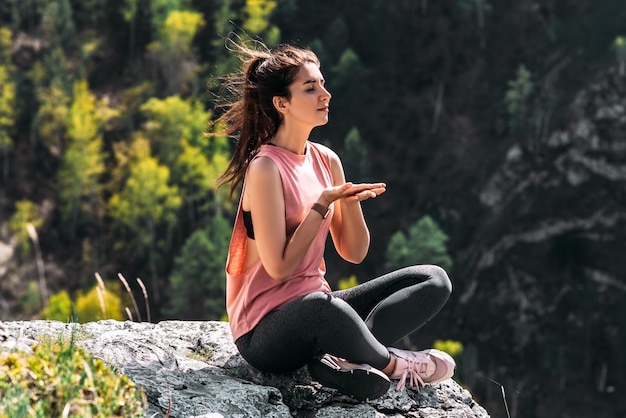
283,314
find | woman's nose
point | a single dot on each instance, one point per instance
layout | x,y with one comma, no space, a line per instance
326,94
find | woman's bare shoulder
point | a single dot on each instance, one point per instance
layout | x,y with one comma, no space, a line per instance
262,165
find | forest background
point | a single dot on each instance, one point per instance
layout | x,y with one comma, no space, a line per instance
498,127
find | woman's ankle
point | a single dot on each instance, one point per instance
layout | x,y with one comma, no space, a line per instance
389,368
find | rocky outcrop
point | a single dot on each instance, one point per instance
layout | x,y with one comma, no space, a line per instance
545,266
192,369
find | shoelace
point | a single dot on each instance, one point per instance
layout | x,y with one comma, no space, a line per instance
330,362
412,374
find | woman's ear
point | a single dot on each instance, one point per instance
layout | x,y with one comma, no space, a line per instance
280,103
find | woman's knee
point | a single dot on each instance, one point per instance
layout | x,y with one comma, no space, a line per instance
440,278
437,278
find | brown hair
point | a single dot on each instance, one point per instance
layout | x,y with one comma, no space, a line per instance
266,74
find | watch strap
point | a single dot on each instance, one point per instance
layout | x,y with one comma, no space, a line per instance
319,208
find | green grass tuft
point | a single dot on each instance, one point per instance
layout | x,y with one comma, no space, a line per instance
61,379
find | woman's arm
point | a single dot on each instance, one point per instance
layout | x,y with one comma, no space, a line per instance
348,228
264,193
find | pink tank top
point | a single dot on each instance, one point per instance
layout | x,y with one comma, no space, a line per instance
252,294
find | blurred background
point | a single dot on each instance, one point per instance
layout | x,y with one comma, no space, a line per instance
498,126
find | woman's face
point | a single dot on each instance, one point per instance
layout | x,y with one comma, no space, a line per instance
309,98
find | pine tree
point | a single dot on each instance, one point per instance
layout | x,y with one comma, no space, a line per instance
53,82
198,280
355,156
57,24
7,99
425,243
517,99
146,201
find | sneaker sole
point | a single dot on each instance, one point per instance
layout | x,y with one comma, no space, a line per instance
360,383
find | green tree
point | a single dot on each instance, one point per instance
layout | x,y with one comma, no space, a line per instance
347,283
619,46
452,347
146,201
196,174
58,69
7,103
320,50
425,243
222,18
51,116
30,303
348,64
161,9
98,304
171,120
197,284
59,308
27,13
517,99
355,156
337,36
199,170
89,50
257,15
91,13
217,165
83,161
26,212
57,24
53,82
129,13
7,98
172,49
175,127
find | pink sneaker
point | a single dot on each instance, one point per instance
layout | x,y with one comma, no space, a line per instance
360,381
421,367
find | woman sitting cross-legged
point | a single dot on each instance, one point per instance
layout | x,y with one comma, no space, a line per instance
283,314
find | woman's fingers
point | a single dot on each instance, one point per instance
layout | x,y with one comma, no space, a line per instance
379,190
366,194
367,186
365,191
355,192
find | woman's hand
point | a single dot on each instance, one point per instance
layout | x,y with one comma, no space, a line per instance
351,192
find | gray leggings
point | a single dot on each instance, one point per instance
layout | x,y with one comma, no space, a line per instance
357,324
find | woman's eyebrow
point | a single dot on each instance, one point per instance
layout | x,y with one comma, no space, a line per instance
313,81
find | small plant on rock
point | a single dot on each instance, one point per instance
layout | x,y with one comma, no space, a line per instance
62,379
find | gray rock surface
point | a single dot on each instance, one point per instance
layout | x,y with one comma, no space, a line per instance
193,369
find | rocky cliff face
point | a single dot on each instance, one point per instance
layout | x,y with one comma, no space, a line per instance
545,268
193,369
